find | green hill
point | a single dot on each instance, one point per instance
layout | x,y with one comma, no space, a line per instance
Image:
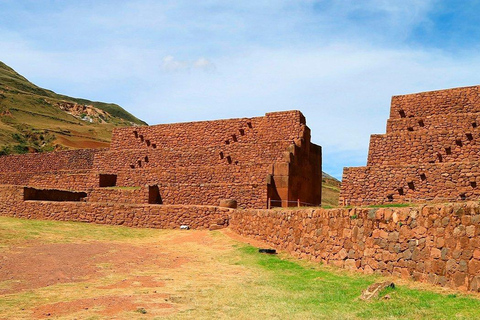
34,119
330,190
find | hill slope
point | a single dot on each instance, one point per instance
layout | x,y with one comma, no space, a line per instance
36,119
330,190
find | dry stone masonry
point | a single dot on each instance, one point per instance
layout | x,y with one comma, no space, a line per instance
431,152
214,174
257,162
438,244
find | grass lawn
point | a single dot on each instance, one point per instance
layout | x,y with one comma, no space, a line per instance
66,270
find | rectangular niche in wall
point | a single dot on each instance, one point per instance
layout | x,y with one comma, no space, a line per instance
52,195
154,195
107,180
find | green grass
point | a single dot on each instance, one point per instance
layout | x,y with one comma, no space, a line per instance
54,231
226,279
314,292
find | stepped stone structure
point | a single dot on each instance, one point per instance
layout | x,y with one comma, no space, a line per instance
258,162
430,152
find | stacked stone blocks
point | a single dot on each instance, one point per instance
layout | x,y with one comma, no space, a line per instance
197,163
438,244
430,152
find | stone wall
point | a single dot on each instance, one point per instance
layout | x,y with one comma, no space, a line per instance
439,244
205,162
137,195
131,215
429,153
80,180
415,183
186,156
247,195
440,102
410,148
273,126
248,159
423,125
50,161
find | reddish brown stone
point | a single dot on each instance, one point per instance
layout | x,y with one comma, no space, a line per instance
475,284
428,153
188,164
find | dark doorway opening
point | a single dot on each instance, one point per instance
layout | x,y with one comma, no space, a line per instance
154,195
107,180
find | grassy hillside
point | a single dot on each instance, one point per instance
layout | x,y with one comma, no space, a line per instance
330,190
36,119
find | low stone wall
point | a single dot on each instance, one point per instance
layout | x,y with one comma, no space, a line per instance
119,195
134,215
439,244
49,161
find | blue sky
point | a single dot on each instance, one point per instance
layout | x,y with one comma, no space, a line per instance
339,62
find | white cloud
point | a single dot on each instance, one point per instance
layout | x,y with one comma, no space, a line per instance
185,61
170,64
204,64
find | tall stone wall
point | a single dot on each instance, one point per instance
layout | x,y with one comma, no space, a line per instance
439,244
430,151
247,159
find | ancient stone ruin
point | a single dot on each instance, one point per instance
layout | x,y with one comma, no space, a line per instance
431,152
256,162
191,175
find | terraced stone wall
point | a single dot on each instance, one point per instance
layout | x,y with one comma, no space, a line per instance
196,163
205,162
429,153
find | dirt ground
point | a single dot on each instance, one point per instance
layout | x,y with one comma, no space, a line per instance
151,277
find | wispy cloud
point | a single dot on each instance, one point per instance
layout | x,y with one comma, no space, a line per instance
170,64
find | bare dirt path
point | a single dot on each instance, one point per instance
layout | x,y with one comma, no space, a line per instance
58,276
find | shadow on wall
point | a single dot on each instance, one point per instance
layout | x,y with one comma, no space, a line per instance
52,195
154,195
